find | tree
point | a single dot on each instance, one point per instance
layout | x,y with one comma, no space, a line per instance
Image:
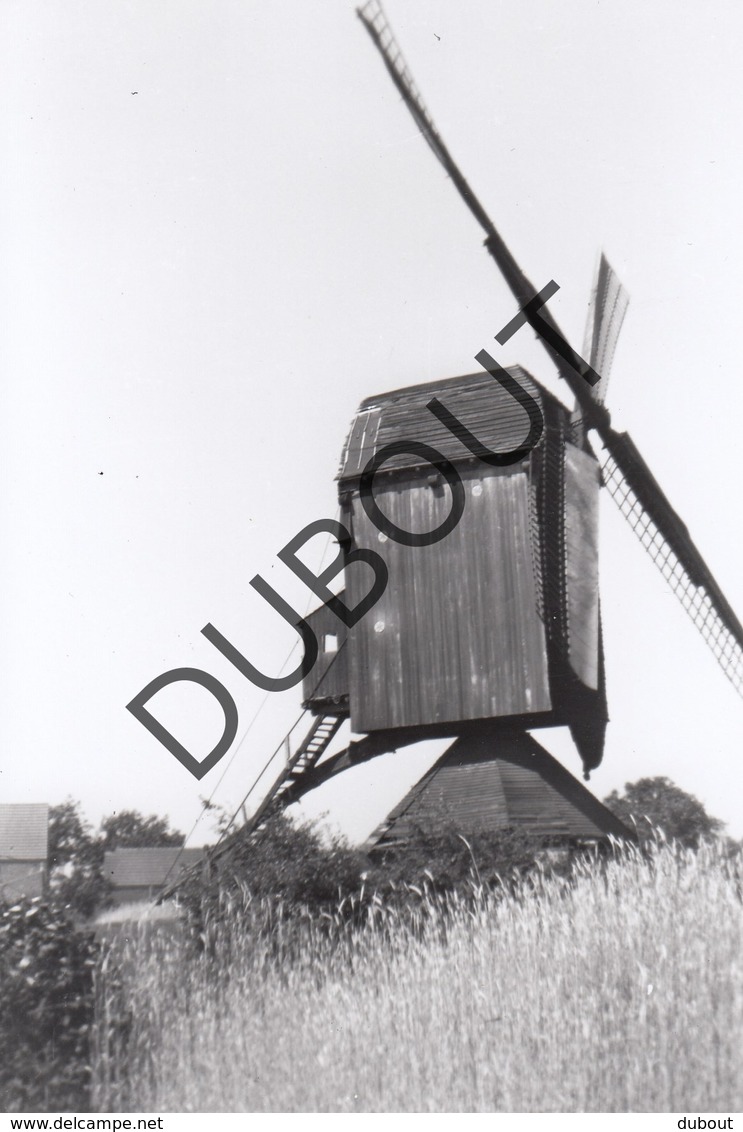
76,879
70,834
659,802
128,829
76,852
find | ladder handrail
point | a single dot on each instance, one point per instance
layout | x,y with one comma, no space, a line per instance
331,723
275,789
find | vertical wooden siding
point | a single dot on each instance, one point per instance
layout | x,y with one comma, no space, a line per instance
328,679
457,633
581,549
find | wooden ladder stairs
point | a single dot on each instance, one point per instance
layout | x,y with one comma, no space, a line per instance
309,752
307,755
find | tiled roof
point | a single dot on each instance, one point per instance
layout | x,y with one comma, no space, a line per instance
483,785
477,400
24,831
147,867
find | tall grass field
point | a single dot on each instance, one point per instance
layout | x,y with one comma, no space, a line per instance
619,990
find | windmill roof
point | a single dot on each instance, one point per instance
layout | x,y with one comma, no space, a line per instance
147,867
480,785
24,831
476,399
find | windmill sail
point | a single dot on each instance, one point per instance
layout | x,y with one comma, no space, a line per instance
374,20
606,313
627,476
666,539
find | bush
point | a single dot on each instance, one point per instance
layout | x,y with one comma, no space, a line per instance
441,859
285,868
46,972
282,863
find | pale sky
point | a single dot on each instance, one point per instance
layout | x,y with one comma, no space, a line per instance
221,231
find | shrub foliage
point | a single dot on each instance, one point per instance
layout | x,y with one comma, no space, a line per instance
283,862
46,973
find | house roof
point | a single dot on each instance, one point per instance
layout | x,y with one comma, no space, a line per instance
485,784
127,868
482,405
24,831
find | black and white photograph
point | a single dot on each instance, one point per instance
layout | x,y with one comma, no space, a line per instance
372,654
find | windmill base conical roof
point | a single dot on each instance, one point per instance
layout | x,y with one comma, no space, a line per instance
491,781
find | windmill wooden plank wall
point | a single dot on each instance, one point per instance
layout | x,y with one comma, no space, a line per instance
326,686
582,481
457,633
465,629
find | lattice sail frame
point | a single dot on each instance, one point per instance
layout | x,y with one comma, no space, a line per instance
694,598
373,16
606,313
630,482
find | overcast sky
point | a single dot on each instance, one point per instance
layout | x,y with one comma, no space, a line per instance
221,231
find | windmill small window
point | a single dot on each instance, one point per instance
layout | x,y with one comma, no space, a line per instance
330,642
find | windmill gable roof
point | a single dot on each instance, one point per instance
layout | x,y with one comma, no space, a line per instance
485,785
477,400
147,867
24,831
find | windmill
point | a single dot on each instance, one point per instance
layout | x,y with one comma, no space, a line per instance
493,631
